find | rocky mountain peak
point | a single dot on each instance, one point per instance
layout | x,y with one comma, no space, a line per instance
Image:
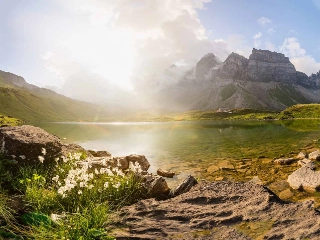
233,66
268,56
207,62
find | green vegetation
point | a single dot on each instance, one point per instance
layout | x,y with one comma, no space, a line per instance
9,121
40,107
69,200
301,111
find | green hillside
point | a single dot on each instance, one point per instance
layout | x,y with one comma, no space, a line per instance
30,107
27,102
301,111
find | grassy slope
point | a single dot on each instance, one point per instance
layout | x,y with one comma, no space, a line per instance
301,111
30,107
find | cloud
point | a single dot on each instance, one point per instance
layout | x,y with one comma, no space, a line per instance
257,36
128,44
263,21
271,31
298,56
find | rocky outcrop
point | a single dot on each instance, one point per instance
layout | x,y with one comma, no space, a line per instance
29,145
233,67
266,66
219,210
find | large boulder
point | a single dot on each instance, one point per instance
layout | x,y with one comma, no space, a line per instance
29,145
219,210
305,178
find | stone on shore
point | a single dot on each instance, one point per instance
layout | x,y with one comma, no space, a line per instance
314,155
307,162
29,145
284,161
305,178
184,186
217,210
301,155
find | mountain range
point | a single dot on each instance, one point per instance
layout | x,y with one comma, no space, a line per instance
266,81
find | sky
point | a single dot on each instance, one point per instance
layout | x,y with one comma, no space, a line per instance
99,50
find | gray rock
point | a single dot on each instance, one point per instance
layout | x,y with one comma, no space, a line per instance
205,64
100,153
314,155
213,210
29,145
307,162
284,161
184,186
140,159
301,155
156,186
305,178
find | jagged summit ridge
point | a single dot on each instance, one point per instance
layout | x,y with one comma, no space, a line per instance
268,56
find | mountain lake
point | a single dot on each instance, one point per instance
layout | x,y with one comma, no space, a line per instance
192,147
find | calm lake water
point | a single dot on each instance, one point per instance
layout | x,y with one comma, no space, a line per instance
185,147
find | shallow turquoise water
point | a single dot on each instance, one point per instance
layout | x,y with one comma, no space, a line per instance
184,146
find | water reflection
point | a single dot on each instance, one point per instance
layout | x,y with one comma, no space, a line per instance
179,145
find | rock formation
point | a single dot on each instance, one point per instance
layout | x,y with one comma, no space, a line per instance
219,210
267,80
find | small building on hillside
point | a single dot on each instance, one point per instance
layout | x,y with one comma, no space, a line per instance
227,110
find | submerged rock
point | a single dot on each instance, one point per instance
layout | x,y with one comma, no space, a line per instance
284,161
305,178
164,173
217,210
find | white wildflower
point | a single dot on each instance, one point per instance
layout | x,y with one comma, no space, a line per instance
41,159
96,171
90,186
23,157
43,151
106,185
56,178
64,159
55,217
117,185
79,192
13,156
